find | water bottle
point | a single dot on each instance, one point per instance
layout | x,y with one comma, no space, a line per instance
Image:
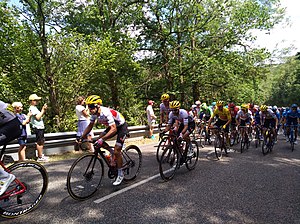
107,155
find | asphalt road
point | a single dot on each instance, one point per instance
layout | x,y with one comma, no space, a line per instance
241,188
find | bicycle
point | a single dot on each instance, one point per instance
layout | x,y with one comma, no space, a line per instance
175,155
257,135
292,136
245,141
268,142
27,190
219,143
86,173
234,135
202,133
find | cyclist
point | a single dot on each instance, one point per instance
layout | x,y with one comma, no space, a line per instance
10,129
224,118
244,118
183,124
292,118
198,108
233,112
268,119
116,125
205,112
164,108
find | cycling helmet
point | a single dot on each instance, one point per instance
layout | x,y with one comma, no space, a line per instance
93,99
231,105
213,104
274,108
174,104
219,103
198,102
165,96
263,107
294,105
203,106
244,107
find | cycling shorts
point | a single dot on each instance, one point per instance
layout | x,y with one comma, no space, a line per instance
121,133
221,123
191,127
269,123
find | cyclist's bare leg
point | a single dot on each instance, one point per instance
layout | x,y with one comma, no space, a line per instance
118,156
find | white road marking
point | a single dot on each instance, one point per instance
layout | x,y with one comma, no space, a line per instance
128,188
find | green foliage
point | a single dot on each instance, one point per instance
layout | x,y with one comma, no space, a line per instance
194,50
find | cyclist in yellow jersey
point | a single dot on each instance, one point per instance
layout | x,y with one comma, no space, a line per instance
224,118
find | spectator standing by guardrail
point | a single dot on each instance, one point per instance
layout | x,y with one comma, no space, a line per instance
151,118
82,114
37,125
22,140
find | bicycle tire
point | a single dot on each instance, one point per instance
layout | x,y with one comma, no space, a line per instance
243,143
264,148
169,163
161,146
191,161
84,177
218,147
292,140
34,177
132,162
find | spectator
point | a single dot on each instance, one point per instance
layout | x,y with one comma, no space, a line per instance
151,118
22,140
38,126
83,121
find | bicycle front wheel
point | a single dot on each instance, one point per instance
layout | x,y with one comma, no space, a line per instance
191,160
169,163
26,192
218,147
132,162
164,142
84,177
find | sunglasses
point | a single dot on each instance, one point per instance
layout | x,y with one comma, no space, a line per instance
92,106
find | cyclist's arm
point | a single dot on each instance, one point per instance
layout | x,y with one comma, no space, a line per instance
110,133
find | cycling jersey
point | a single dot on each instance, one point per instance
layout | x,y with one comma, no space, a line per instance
164,109
205,112
183,117
224,114
108,117
292,117
241,115
268,115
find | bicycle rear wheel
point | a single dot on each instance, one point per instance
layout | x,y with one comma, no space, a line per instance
164,142
169,163
218,147
26,192
191,161
84,177
132,162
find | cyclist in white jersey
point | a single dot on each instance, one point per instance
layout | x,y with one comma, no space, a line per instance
183,124
116,125
10,129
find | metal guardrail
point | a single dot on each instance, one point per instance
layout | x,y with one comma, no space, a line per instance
61,139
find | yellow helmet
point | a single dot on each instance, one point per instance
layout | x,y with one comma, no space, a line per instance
244,107
174,104
93,99
165,96
263,107
219,103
